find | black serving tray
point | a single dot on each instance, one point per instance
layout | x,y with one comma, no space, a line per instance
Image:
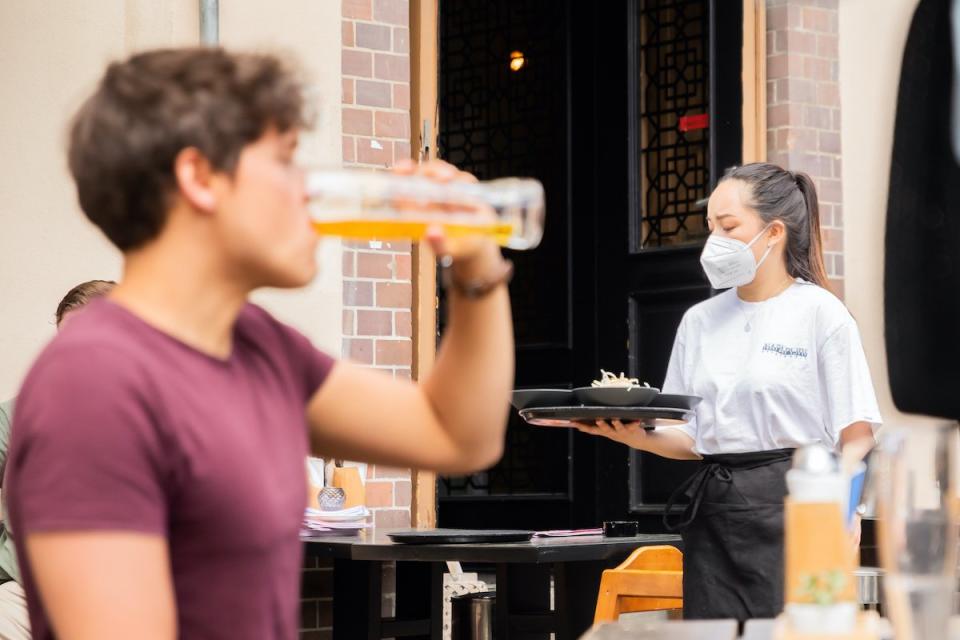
651,417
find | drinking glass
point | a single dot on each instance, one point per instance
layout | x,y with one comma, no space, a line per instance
916,498
377,205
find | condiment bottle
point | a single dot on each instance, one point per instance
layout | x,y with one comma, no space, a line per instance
820,591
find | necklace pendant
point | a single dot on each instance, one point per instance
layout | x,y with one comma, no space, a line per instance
746,328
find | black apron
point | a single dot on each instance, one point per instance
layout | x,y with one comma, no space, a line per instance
732,533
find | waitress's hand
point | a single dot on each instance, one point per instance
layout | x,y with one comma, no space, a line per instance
631,434
855,532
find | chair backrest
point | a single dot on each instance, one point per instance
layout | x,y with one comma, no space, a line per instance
651,579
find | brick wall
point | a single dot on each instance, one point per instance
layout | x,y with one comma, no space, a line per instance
377,321
803,108
316,601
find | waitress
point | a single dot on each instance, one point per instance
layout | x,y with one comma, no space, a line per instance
778,361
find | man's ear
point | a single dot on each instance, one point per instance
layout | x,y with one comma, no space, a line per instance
194,177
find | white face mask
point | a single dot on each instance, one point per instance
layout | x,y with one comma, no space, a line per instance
730,263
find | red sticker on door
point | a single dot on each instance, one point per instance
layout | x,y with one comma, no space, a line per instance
692,123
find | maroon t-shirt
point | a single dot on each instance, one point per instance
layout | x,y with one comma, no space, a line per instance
121,427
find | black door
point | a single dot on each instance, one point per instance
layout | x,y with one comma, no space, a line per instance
594,111
505,109
682,101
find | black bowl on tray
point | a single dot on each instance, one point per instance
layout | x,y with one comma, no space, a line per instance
528,398
615,396
675,401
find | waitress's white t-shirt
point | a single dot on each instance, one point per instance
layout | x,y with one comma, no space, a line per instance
798,375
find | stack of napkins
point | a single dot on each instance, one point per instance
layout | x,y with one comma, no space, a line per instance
336,523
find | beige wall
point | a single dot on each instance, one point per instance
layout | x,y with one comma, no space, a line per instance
872,37
53,52
309,31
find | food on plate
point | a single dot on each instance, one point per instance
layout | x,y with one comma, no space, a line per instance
608,379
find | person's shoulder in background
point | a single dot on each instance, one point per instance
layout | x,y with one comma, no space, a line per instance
6,414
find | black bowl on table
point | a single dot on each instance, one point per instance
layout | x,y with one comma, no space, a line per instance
615,396
536,398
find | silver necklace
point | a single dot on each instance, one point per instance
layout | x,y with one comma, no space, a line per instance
748,319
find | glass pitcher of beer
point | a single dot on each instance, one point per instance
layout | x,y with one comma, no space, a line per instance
363,205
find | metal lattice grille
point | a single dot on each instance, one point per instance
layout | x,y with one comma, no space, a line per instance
497,122
674,84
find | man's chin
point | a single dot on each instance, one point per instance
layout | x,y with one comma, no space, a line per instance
294,279
285,273
289,282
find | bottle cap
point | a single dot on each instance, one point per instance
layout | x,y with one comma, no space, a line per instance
816,476
816,459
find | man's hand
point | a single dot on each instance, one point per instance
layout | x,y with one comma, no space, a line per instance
465,250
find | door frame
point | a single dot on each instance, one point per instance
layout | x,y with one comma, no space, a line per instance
754,80
424,120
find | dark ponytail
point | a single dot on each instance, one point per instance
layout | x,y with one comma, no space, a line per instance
791,198
814,266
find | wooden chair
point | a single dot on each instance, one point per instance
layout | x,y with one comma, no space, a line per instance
651,579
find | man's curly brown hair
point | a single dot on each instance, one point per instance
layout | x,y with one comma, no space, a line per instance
126,136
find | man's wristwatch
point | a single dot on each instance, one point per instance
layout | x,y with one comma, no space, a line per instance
473,289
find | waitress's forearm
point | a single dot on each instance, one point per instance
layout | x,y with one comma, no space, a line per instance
670,443
859,432
470,384
856,441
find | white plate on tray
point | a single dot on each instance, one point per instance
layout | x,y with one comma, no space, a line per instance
651,417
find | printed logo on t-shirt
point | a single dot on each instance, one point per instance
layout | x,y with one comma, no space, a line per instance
785,352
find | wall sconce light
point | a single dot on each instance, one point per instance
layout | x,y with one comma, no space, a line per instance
517,61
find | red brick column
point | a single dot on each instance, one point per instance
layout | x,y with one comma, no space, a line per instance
376,276
803,108
377,325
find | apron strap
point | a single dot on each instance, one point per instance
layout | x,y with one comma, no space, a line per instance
715,466
698,483
751,459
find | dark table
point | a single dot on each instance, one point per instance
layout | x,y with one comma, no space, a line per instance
524,572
